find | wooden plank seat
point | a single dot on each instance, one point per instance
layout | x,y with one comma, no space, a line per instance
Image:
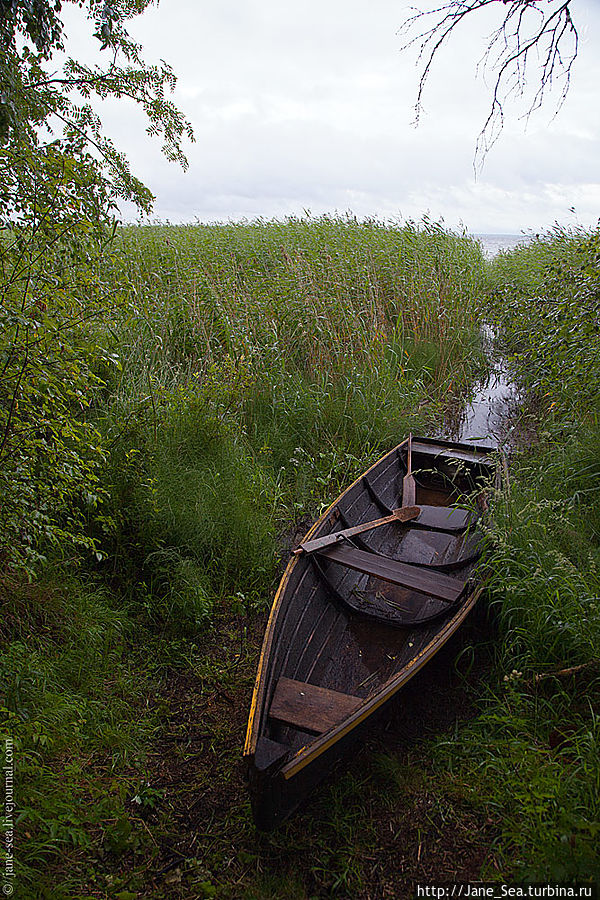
435,584
437,549
481,455
309,707
443,518
440,518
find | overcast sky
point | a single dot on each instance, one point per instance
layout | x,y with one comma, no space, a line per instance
310,106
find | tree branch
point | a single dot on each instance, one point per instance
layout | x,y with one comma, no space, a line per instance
554,37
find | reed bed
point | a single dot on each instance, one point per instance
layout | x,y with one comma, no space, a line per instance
248,371
264,364
530,761
313,296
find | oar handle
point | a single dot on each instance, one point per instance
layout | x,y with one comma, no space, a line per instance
402,514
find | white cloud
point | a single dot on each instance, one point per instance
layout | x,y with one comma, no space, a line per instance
310,107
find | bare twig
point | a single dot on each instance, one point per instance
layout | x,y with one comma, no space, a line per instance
527,30
565,673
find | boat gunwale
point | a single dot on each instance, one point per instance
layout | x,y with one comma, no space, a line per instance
305,755
260,683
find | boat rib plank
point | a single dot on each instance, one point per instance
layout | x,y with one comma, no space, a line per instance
309,707
306,609
338,627
436,584
310,651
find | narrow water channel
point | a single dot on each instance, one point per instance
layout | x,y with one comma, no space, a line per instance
494,414
488,417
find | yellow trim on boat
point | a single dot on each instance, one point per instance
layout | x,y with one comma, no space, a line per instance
254,714
250,744
305,755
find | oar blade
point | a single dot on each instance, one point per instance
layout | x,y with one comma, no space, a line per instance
409,491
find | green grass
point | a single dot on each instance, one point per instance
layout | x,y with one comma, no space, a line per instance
255,370
531,759
246,374
547,310
74,705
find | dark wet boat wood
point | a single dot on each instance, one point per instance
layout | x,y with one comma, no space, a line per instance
357,616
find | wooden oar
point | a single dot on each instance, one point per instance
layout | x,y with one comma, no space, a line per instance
404,514
409,487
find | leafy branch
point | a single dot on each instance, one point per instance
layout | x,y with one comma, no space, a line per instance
61,179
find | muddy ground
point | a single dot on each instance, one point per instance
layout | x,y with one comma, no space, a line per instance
384,821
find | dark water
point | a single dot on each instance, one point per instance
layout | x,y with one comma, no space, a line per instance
488,417
485,419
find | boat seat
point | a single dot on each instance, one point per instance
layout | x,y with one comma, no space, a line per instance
426,581
441,550
439,518
444,518
309,707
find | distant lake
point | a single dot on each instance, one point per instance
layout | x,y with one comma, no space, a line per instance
493,243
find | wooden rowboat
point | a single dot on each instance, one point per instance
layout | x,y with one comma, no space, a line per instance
360,610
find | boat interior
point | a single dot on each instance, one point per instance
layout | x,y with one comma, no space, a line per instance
353,615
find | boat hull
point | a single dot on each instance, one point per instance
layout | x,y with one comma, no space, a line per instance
350,626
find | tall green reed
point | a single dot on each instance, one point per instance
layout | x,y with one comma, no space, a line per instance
264,362
308,295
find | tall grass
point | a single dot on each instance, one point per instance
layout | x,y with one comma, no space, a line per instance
252,370
75,705
255,369
301,295
547,303
531,761
264,364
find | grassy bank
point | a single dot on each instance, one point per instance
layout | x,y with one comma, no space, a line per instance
247,372
532,758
